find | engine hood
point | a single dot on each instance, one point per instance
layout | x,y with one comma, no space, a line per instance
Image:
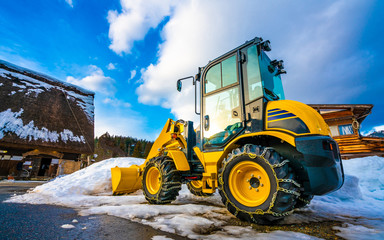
294,117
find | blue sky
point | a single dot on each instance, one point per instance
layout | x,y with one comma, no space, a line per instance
131,52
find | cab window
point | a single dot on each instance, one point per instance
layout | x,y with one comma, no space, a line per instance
229,71
253,78
221,75
213,79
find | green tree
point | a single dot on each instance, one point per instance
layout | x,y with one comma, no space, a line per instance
147,149
137,151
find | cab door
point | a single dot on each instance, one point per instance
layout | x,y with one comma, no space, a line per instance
221,104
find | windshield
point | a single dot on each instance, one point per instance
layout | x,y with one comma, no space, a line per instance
272,85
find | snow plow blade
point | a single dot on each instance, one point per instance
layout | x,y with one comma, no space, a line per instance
126,180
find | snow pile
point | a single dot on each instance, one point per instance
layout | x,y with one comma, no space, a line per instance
79,188
372,178
359,204
362,193
68,226
160,237
10,122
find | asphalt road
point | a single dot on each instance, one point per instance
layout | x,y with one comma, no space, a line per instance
26,221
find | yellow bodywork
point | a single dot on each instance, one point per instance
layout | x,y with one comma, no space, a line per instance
308,115
126,180
171,142
181,161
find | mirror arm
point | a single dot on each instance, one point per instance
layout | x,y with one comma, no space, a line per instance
196,98
194,80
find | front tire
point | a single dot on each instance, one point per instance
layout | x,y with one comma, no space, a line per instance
161,180
257,185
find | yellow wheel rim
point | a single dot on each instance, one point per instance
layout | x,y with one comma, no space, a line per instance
197,184
249,183
153,180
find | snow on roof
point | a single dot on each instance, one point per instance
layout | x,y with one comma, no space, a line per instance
359,204
32,86
10,122
40,111
41,75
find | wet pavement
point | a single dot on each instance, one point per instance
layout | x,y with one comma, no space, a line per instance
26,221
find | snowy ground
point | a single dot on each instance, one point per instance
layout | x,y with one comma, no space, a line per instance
359,204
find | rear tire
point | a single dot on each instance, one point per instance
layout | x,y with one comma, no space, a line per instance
257,185
196,188
161,180
303,200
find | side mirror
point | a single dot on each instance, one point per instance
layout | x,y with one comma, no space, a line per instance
266,46
179,85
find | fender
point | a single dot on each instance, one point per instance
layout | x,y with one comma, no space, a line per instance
211,160
281,135
179,159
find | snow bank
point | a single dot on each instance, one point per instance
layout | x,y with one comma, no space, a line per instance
359,204
81,188
362,193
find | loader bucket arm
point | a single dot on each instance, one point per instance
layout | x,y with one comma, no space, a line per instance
128,180
165,138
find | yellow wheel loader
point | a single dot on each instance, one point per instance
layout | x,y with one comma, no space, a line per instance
265,155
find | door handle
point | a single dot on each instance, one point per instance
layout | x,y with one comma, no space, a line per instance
206,122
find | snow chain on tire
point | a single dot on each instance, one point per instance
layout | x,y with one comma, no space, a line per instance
303,200
283,192
169,181
197,190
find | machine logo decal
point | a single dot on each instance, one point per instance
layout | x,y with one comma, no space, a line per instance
278,114
280,117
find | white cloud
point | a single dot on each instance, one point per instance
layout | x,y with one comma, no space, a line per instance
372,130
378,128
116,102
122,125
112,115
70,3
134,21
313,38
111,66
133,74
95,81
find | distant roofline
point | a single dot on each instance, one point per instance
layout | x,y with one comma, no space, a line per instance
361,111
49,78
341,106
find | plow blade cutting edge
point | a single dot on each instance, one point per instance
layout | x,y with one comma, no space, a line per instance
126,180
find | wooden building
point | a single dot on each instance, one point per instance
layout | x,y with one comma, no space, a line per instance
45,125
344,121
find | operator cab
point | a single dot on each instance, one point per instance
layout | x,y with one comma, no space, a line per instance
235,88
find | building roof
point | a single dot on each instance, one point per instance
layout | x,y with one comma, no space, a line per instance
337,112
38,111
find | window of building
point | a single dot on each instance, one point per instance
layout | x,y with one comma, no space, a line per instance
340,130
346,129
334,130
